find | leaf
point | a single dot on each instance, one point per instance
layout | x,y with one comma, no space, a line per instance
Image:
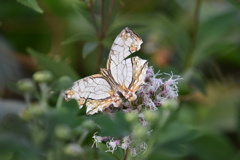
79,37
88,48
31,4
114,127
218,147
104,148
84,11
213,34
58,69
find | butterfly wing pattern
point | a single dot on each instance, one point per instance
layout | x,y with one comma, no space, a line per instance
122,75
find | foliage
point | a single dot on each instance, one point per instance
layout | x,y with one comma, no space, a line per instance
198,40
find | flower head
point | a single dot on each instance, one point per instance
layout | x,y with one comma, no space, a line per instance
155,92
112,145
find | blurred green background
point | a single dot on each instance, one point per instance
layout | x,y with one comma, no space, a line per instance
196,39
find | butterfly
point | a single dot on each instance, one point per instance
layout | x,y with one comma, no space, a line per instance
122,77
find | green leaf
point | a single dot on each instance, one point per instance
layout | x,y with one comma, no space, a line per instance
88,48
31,4
218,147
58,69
114,127
104,148
214,35
79,37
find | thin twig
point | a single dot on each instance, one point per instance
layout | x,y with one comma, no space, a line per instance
126,154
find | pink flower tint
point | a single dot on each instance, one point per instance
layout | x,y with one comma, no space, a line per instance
126,143
133,152
142,120
112,145
155,91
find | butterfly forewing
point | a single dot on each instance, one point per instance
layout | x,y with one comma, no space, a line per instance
126,43
122,73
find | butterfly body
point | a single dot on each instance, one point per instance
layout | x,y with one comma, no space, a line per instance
122,77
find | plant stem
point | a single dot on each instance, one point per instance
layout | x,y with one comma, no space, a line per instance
102,21
100,57
100,30
44,94
126,154
60,99
27,98
83,136
109,16
193,35
93,18
165,114
100,38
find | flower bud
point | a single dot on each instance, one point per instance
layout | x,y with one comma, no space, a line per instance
78,130
25,85
170,104
63,132
88,124
139,132
73,149
32,111
37,110
131,117
26,115
42,76
151,116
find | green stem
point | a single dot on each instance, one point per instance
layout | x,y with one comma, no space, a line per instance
164,118
60,99
100,57
101,37
102,20
193,35
27,98
44,94
109,16
93,18
83,136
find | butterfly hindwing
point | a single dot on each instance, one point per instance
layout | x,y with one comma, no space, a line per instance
93,90
140,67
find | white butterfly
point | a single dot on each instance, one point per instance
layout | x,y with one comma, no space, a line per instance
121,77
